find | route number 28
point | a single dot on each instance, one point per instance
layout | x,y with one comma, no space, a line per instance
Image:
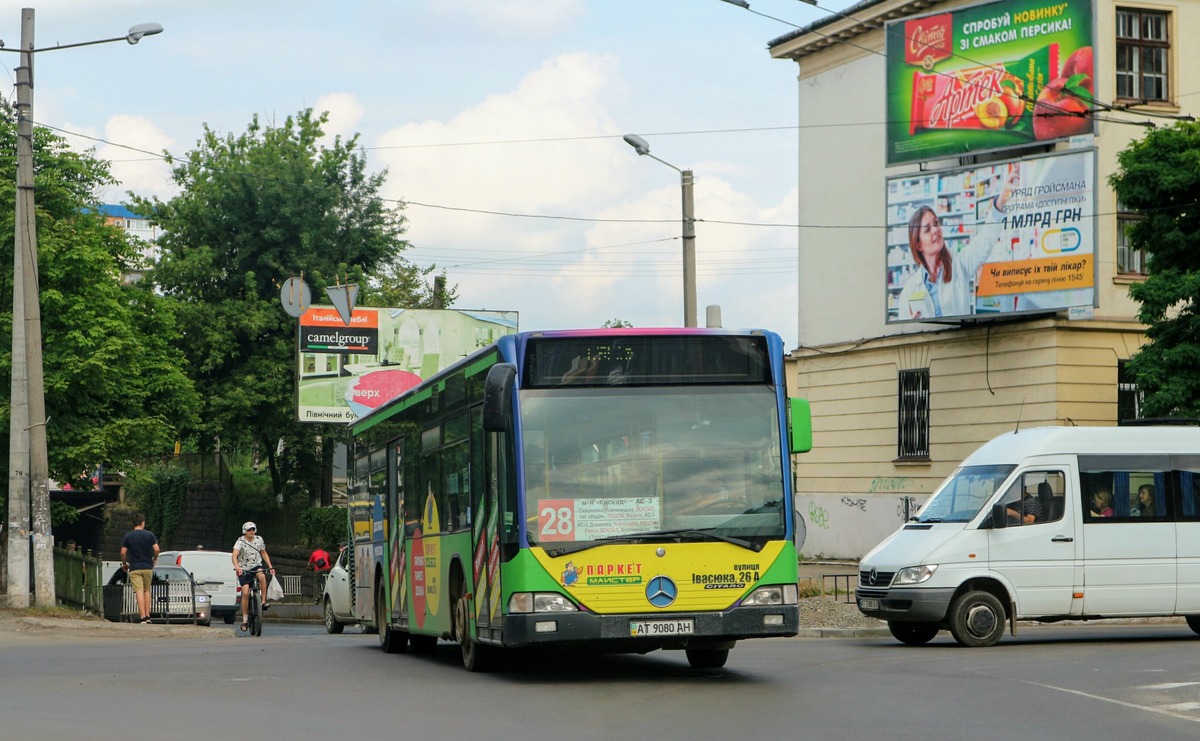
556,519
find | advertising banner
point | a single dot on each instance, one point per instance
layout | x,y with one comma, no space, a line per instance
346,372
1009,237
988,77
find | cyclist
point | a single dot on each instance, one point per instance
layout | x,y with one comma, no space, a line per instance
249,555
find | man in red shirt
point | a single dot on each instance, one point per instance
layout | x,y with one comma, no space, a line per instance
319,561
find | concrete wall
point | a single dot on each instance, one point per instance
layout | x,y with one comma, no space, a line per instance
844,526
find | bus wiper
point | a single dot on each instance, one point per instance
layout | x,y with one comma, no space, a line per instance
684,532
681,533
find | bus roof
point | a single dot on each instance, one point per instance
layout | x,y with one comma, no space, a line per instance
1013,446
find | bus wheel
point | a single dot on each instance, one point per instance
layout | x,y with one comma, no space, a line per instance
977,619
912,634
391,641
1193,622
475,657
707,658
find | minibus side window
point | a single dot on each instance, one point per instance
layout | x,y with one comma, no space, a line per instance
1130,489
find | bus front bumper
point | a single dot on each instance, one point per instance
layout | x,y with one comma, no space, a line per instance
650,631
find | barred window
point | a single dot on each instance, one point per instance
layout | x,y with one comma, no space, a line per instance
1129,396
1143,46
913,423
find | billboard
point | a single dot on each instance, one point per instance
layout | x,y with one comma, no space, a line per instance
988,77
344,372
1004,238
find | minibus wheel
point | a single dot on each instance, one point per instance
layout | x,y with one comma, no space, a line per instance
977,619
1193,622
912,634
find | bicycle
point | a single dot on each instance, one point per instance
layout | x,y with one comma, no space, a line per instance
254,609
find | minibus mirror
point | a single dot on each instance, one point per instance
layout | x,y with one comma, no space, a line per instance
497,397
999,516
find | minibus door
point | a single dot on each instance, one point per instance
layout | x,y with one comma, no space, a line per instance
1035,549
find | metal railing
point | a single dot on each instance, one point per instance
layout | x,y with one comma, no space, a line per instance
77,579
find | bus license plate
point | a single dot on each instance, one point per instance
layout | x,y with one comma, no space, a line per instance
652,628
868,604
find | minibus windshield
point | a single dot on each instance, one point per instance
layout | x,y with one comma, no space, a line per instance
964,493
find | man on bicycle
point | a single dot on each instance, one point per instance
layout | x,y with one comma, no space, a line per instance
249,555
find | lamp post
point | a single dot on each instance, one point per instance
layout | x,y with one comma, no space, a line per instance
28,467
689,229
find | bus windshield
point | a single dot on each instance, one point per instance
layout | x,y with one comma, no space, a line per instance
651,464
964,493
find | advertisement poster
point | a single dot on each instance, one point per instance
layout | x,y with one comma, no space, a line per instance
952,253
347,371
988,77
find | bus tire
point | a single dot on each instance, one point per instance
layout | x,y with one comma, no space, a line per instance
1193,622
707,658
391,641
475,657
977,619
912,634
331,623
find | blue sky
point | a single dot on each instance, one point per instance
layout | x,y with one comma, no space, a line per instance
514,107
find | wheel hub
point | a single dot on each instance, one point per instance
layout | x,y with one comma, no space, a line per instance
981,621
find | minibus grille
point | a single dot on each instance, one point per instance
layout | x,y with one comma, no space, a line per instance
882,579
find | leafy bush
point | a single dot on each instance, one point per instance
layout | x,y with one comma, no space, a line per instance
159,491
324,526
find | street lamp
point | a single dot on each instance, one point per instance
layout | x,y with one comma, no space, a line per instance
28,464
689,229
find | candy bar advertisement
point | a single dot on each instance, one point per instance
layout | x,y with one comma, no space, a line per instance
988,77
1005,238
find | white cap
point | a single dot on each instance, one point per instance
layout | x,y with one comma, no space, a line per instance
246,526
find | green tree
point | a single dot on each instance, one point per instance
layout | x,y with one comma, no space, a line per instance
115,388
615,324
1159,176
254,209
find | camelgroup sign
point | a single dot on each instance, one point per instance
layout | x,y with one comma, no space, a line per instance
347,371
951,253
988,77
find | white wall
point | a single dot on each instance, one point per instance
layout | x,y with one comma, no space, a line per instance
846,526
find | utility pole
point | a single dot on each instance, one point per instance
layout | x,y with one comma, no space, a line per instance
26,245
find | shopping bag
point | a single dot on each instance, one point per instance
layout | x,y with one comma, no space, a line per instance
274,590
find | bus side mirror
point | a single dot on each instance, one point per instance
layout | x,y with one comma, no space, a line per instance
497,397
999,516
800,425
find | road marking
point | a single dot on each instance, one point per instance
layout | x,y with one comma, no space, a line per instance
1164,710
1168,685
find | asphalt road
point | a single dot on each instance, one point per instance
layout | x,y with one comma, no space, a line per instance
1096,682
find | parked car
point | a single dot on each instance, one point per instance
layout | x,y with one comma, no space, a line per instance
213,571
174,598
335,601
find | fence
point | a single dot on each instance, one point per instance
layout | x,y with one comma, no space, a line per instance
77,579
170,600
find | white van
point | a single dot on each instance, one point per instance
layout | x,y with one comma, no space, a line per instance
1047,524
212,570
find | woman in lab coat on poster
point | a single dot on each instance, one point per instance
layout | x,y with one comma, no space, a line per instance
943,283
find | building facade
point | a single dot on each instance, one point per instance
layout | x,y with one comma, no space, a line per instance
900,394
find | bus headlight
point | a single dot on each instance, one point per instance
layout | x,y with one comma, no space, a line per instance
526,602
914,574
781,594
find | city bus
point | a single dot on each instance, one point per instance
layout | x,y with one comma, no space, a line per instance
622,490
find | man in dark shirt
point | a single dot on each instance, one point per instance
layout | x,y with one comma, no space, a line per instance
139,552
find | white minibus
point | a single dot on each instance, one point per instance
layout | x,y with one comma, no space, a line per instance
1047,524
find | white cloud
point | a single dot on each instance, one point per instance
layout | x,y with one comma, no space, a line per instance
345,112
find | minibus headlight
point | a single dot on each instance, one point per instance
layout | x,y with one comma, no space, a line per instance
783,594
526,602
914,575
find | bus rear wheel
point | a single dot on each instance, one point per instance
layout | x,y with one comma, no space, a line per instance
391,641
475,657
